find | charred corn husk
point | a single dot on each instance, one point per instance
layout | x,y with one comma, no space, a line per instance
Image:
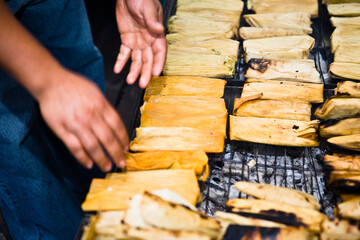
344,21
254,106
230,5
177,139
347,54
345,70
345,35
200,65
202,115
283,90
281,132
284,6
111,193
185,86
344,9
349,209
260,32
294,70
279,194
351,142
340,229
338,108
342,162
348,88
282,213
154,160
297,20
346,182
343,127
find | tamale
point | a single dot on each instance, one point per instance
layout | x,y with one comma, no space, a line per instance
160,234
340,178
185,86
184,99
198,161
348,88
174,37
348,196
177,139
230,5
279,194
200,65
339,108
345,35
281,132
279,47
345,70
111,193
211,46
349,183
340,229
347,53
344,21
284,6
295,20
344,9
282,213
343,127
349,209
242,232
338,1
283,90
294,70
259,32
207,116
186,25
254,106
351,142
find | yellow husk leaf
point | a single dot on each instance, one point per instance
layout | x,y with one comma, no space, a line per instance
348,88
273,131
231,5
247,33
345,70
347,54
344,21
343,162
184,99
351,142
284,90
345,35
340,229
185,86
177,139
297,20
349,209
338,108
174,37
344,9
112,193
347,126
198,161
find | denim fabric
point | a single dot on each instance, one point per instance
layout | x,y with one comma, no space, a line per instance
41,184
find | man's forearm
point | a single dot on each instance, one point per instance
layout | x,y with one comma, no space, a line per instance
23,57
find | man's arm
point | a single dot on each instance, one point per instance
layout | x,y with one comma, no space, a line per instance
142,39
72,106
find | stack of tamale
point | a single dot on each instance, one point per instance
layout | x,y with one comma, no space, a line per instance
199,39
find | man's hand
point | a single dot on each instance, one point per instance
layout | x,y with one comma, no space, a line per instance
142,38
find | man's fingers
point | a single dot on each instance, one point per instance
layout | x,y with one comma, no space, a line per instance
147,67
159,49
122,58
135,66
151,18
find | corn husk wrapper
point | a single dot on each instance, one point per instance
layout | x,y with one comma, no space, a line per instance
345,70
200,65
338,108
347,53
343,127
281,48
184,99
279,212
279,194
349,209
225,47
177,139
284,6
345,21
348,88
342,162
247,33
351,142
185,86
198,161
294,70
340,229
283,90
297,20
344,9
202,115
338,1
273,131
348,196
230,5
343,178
174,37
112,193
254,106
345,35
